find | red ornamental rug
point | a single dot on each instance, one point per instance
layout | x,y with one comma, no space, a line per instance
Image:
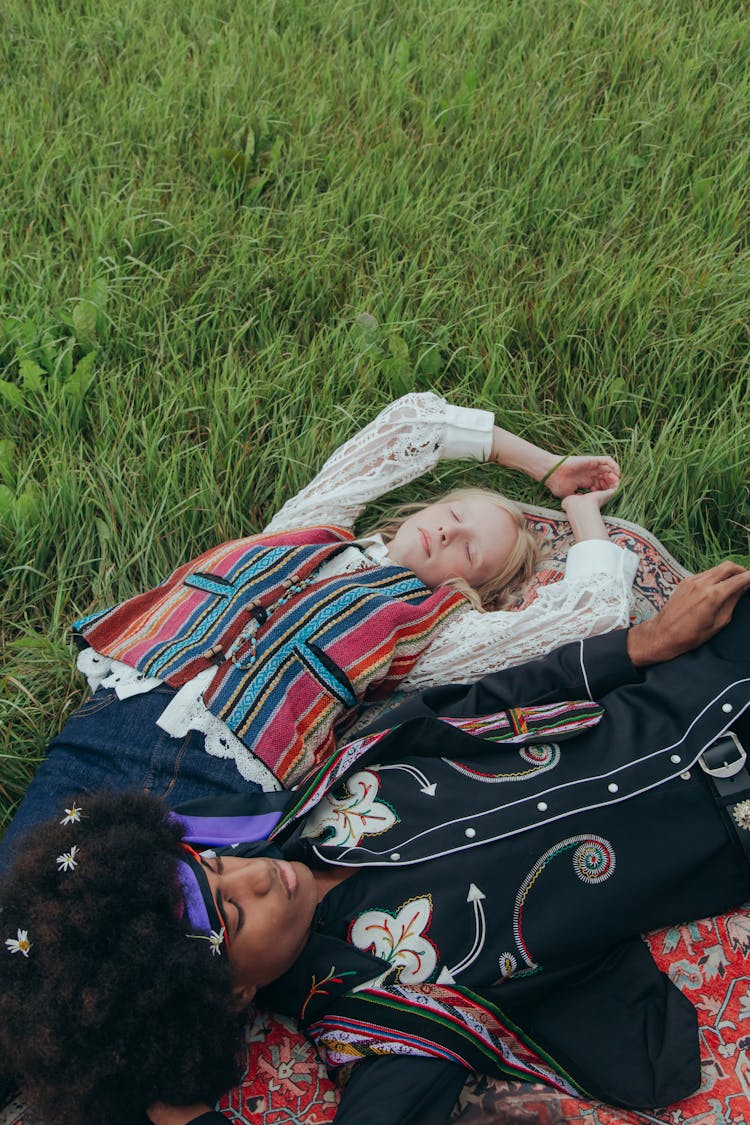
285,1084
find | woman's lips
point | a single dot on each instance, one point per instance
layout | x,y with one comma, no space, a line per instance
426,542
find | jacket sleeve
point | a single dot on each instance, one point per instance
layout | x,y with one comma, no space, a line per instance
587,669
400,1091
618,1027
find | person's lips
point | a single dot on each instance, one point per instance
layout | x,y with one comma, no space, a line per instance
426,542
288,876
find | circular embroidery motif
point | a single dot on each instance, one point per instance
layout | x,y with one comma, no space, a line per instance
541,755
593,861
508,965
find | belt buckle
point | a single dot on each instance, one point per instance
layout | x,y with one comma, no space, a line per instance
727,769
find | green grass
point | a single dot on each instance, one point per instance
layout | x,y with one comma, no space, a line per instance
542,204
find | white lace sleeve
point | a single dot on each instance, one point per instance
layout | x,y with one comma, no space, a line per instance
405,440
593,597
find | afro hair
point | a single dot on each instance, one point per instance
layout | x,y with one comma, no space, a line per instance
110,1008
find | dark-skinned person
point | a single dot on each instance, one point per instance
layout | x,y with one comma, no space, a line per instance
463,889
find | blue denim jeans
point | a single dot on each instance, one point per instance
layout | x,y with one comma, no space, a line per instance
115,744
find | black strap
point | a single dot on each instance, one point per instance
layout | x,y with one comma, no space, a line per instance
732,793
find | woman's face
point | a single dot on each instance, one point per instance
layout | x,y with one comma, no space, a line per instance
267,906
471,538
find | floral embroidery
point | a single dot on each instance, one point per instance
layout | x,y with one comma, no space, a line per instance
67,861
72,815
19,944
741,814
400,939
353,814
317,986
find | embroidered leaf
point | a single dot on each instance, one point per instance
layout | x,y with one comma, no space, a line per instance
399,939
346,819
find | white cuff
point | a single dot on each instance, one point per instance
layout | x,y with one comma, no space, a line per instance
467,433
597,556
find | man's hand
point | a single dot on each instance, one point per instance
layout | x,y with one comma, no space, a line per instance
699,607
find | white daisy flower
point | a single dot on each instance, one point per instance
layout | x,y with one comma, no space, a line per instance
72,815
216,940
67,861
20,944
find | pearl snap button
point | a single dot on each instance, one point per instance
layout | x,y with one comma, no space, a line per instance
686,775
726,708
471,833
396,855
676,759
542,806
612,787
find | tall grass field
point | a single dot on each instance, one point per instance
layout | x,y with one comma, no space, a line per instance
233,230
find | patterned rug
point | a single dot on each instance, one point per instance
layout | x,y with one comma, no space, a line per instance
709,960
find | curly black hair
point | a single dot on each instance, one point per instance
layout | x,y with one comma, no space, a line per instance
113,1008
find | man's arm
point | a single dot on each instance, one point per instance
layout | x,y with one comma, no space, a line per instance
700,606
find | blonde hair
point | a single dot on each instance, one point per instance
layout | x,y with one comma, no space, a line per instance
505,588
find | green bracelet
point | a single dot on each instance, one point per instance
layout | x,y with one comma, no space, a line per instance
554,469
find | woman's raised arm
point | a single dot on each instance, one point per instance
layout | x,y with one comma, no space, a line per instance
406,439
562,476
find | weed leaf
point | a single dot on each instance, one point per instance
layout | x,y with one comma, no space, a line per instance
12,394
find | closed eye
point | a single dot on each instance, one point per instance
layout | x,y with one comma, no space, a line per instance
220,900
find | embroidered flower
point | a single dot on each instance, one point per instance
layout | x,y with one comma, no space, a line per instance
67,861
72,815
741,814
20,944
399,939
216,941
346,819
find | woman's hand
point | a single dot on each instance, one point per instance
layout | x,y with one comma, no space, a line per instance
597,474
584,513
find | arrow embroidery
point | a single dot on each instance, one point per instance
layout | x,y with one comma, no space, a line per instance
426,786
476,898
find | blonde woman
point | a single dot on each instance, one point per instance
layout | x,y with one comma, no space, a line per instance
245,664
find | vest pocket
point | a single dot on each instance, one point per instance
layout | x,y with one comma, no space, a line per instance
210,584
327,672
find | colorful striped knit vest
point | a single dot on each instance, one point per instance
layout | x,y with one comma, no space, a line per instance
294,655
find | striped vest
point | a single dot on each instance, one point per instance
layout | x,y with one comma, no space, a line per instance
295,656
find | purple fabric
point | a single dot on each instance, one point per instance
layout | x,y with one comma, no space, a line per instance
195,906
224,831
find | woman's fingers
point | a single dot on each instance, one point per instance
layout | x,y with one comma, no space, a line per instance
578,473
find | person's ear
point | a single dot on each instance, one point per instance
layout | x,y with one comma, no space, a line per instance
245,993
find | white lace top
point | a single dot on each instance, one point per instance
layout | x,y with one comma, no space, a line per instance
405,440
